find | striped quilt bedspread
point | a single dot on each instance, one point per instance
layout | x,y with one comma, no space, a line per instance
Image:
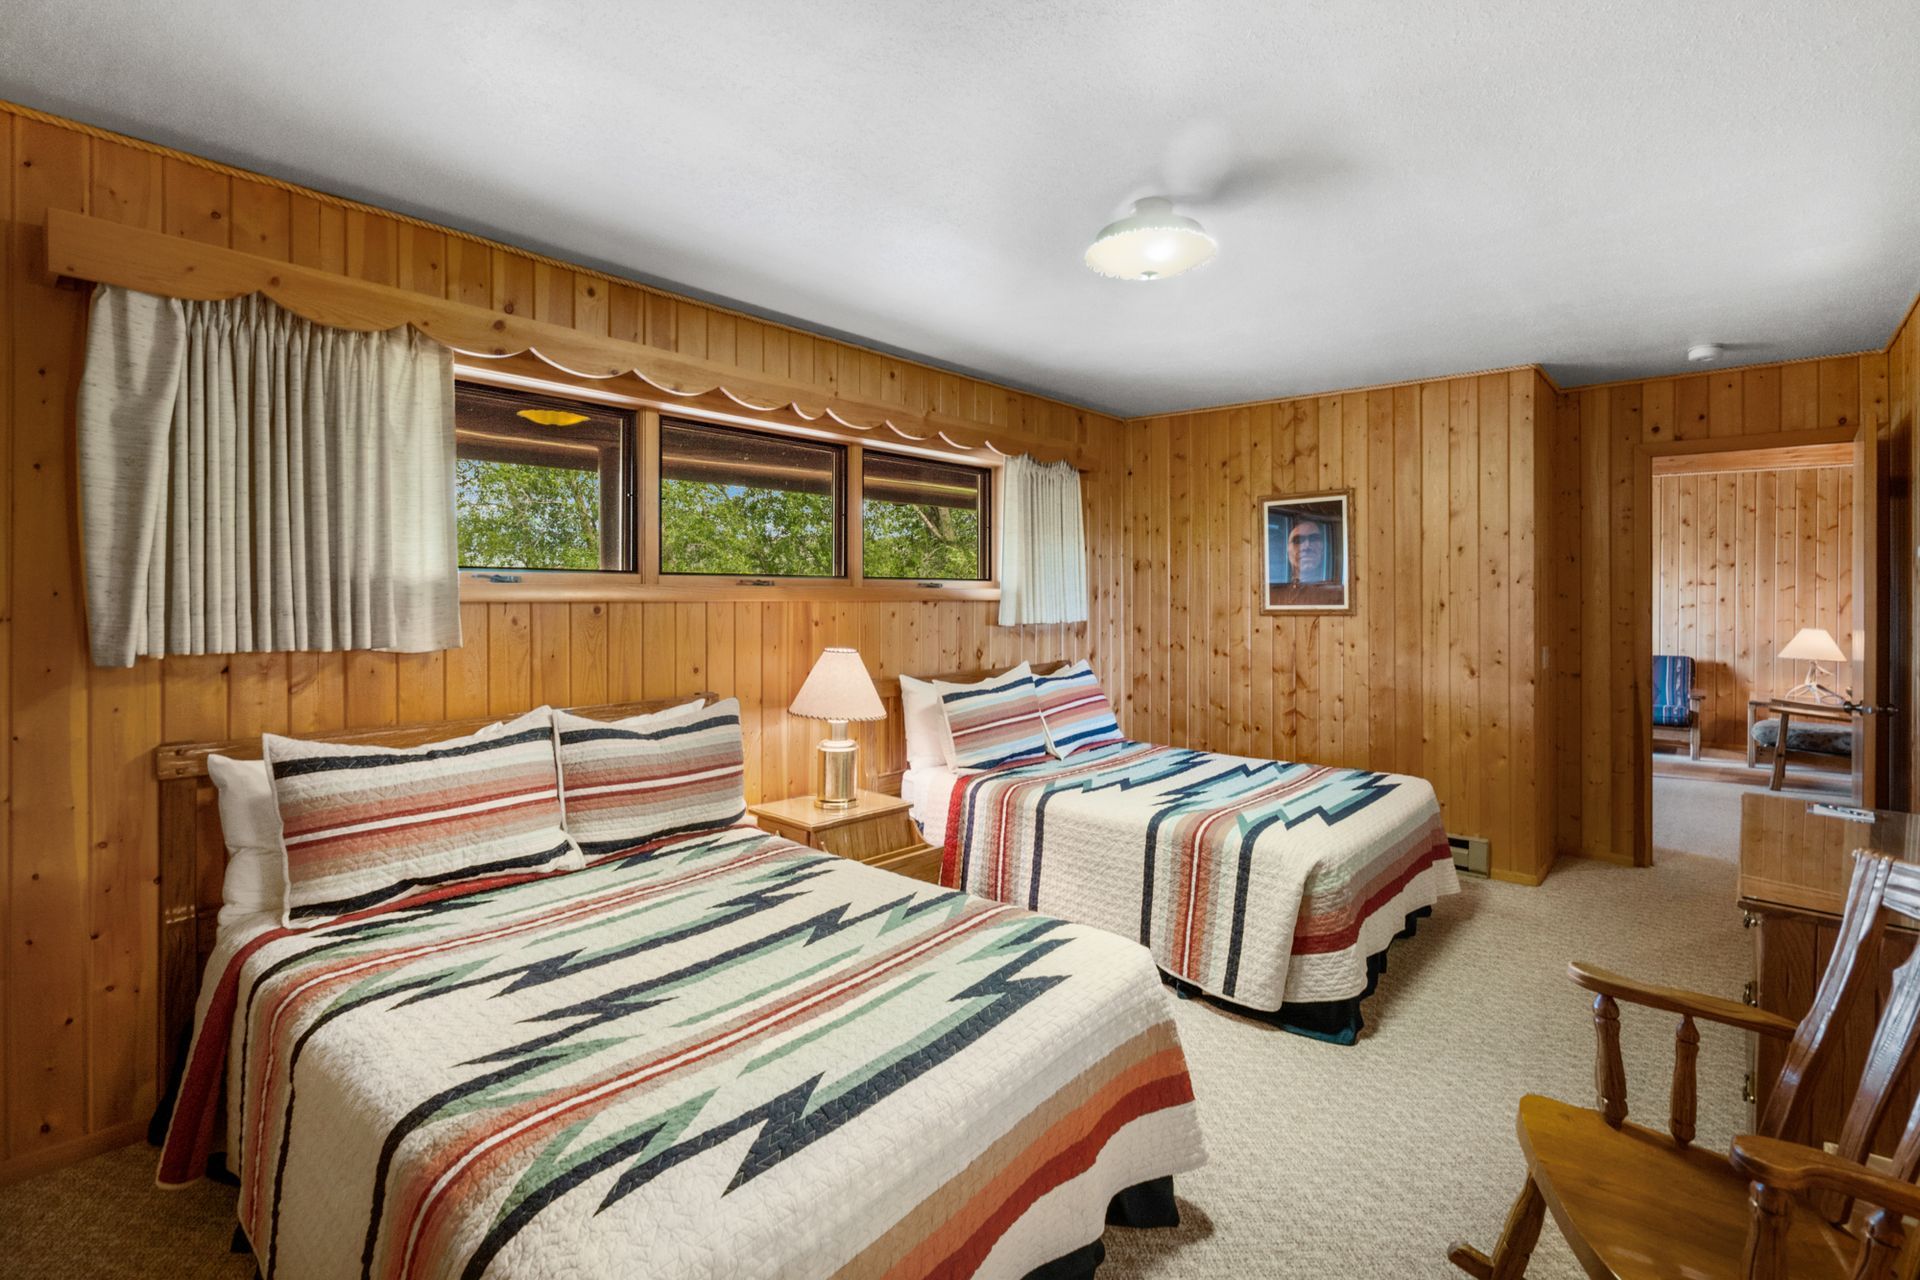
727,1055
1260,882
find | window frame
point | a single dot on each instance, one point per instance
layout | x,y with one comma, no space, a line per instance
625,521
989,520
843,475
645,581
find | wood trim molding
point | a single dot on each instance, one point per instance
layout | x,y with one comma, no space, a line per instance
80,247
33,1163
1793,457
511,586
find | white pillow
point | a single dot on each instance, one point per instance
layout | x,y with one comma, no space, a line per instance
928,746
256,876
256,879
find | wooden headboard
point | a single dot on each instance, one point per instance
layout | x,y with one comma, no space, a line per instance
193,855
892,688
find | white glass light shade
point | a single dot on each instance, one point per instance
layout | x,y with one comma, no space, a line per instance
1151,243
838,688
1813,644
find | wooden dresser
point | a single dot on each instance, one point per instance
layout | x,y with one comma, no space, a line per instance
1794,866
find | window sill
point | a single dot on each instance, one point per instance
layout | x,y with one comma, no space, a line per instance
550,586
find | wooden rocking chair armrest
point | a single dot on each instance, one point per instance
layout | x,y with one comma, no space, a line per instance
1689,1003
1791,1166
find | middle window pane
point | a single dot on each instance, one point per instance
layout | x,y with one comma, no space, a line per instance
739,503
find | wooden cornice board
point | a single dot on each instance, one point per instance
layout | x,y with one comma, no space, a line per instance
81,247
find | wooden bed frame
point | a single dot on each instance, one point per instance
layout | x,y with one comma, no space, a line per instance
193,855
971,677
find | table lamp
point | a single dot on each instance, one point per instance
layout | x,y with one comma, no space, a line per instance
837,690
1813,646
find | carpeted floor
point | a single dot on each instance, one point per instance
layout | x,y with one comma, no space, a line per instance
1326,1161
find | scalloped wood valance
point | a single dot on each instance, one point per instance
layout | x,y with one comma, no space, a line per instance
81,247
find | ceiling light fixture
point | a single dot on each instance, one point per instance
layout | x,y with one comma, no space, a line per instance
1151,243
1705,352
553,417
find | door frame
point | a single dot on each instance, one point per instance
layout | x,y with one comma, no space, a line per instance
1869,644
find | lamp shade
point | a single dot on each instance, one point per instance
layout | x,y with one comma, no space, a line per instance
838,688
1812,644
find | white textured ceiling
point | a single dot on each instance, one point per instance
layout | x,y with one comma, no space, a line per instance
1399,189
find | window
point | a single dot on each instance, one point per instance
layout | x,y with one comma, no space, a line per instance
922,520
741,503
540,482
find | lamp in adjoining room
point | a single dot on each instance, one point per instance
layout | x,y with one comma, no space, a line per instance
1814,646
837,690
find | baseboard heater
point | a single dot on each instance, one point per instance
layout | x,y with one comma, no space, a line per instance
1470,854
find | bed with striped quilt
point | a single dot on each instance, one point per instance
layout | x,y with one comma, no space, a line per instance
722,1054
1273,886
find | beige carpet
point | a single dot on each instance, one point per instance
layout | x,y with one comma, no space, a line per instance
1326,1161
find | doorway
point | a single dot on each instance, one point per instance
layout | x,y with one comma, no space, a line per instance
1754,600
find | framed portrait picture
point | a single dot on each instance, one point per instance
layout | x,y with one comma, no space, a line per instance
1309,556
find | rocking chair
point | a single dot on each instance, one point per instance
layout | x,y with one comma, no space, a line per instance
1636,1203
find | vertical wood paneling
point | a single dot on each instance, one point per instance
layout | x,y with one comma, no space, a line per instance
1434,672
11,249
124,716
1898,561
1737,557
47,953
1774,404
76,1058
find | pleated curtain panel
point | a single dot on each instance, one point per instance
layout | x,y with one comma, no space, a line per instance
1043,544
251,482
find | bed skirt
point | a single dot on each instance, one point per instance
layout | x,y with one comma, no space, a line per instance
1335,1021
1145,1204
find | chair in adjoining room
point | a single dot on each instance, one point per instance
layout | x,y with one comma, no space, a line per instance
1633,1202
1676,707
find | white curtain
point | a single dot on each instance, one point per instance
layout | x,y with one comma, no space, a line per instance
251,481
1043,544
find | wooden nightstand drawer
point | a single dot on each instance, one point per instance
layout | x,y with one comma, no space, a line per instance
922,863
877,830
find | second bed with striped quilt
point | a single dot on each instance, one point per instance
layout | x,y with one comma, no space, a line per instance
1261,882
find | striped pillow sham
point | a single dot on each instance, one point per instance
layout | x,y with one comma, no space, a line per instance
362,826
624,786
1076,710
995,722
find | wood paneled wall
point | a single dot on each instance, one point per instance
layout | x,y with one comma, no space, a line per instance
78,840
1741,561
1603,812
1900,566
1435,672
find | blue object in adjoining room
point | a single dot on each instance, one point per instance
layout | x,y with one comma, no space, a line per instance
1675,705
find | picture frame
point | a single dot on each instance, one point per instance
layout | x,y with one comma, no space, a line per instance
1307,552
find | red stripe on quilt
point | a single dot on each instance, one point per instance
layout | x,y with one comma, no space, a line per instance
1306,943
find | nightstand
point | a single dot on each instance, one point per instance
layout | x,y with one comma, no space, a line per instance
876,830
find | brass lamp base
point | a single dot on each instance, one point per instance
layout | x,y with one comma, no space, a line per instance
835,768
